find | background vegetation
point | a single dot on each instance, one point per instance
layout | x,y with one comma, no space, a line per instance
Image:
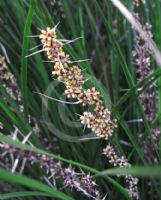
108,40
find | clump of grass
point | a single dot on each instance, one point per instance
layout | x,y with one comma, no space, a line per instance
109,85
71,76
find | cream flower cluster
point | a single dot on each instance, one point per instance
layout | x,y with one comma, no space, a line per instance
100,123
100,120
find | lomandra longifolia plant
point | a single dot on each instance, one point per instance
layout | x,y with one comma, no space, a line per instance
99,119
79,103
96,117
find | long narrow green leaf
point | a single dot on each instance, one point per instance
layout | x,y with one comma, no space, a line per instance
12,195
31,183
140,171
25,46
8,112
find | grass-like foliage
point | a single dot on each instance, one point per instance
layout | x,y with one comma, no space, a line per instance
80,99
